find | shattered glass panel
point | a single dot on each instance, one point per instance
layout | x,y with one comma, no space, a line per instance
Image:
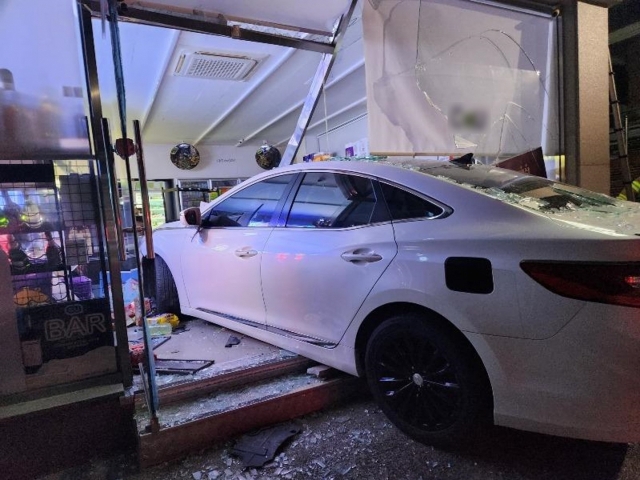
573,206
490,73
453,76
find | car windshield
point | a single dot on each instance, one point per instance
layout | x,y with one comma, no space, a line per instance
521,189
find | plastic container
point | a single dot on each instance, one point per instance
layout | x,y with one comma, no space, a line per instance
159,329
170,318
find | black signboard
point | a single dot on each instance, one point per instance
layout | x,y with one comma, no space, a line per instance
69,329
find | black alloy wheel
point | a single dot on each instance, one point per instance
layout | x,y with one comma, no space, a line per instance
427,381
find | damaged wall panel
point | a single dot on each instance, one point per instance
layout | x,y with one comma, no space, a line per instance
452,76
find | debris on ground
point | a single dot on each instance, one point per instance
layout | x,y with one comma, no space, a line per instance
357,442
233,340
256,449
321,371
136,349
181,366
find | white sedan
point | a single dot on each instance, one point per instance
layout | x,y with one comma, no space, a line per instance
465,294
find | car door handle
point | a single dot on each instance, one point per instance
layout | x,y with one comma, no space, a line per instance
361,256
246,253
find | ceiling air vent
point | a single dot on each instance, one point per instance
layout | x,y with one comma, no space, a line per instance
215,66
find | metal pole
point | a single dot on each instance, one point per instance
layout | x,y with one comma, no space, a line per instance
122,110
113,183
110,227
144,191
322,73
149,269
148,346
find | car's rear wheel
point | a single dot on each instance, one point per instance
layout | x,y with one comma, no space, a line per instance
166,291
427,381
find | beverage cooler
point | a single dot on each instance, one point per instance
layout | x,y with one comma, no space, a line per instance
193,192
162,205
161,202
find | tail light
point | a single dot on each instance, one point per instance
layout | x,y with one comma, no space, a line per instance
614,283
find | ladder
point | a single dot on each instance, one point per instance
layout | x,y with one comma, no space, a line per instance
621,139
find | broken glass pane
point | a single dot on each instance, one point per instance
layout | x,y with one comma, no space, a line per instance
447,77
490,72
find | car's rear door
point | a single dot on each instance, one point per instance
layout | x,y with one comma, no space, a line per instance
325,256
221,263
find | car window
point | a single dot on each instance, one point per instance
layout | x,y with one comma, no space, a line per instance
332,200
252,206
405,205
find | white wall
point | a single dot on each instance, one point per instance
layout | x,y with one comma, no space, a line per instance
215,162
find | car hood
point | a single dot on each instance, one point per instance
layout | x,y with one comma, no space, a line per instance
170,226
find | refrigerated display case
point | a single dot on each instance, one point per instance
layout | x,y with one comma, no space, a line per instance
193,192
162,208
160,201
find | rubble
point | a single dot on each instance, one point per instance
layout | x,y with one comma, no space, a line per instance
370,448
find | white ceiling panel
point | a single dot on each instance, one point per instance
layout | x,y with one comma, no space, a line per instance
342,99
283,94
279,93
184,107
350,89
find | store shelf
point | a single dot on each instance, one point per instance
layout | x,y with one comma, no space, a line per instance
23,229
37,268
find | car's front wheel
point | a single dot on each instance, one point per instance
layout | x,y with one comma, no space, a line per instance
166,293
427,381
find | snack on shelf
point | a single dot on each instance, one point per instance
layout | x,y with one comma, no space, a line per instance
30,297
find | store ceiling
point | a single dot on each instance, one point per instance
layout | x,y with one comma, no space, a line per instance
264,105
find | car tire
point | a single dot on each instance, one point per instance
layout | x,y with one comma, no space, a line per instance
428,381
166,293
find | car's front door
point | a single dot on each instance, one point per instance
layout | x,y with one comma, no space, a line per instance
221,264
320,265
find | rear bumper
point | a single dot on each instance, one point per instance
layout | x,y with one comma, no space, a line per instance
584,382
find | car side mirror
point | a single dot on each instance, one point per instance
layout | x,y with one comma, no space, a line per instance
192,216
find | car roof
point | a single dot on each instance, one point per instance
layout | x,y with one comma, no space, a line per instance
394,171
411,174
405,171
